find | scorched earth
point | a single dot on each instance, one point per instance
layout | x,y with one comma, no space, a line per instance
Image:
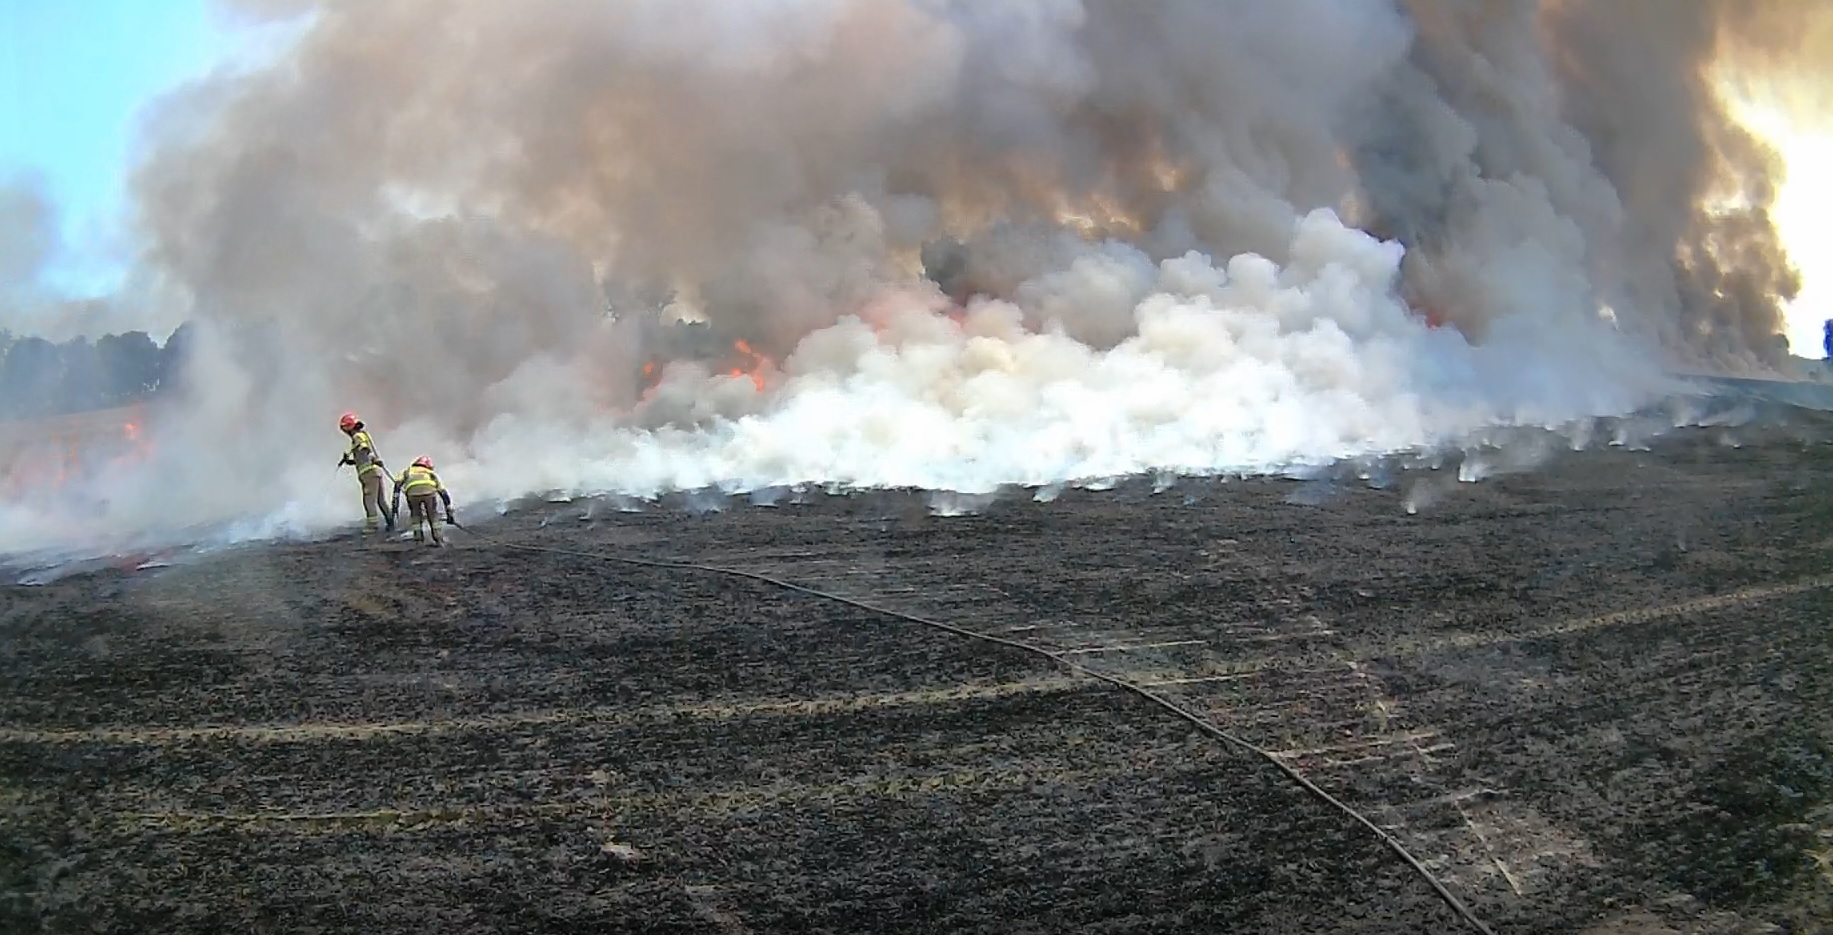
1594,696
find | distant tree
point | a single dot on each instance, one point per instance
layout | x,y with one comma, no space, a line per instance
175,356
79,381
130,365
39,378
30,378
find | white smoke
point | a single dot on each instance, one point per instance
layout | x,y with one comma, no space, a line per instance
420,211
1243,366
1237,367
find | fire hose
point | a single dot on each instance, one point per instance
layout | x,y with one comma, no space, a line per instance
1198,721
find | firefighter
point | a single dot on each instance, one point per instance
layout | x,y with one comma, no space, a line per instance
421,483
369,471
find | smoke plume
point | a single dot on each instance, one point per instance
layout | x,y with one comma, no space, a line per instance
963,243
1643,74
32,246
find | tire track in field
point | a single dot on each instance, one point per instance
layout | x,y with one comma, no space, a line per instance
346,731
1631,617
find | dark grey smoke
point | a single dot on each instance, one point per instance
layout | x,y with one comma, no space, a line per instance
1641,73
771,159
1605,112
444,213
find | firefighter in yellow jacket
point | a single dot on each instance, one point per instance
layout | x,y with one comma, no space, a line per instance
369,471
421,484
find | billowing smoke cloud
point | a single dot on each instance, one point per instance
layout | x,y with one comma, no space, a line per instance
979,243
30,243
1602,119
32,302
1645,99
28,232
1782,52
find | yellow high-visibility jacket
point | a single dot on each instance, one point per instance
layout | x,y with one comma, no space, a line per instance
363,454
417,481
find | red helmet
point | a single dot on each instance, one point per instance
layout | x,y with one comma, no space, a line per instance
423,462
348,421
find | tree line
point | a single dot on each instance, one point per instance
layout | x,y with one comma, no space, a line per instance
40,378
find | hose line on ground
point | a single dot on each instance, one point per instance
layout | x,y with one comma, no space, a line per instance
1195,719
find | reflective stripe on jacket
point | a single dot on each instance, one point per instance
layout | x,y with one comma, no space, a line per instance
418,481
363,454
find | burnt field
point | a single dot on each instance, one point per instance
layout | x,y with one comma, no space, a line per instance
1596,696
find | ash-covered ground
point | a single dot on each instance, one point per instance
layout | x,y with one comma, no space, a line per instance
1593,696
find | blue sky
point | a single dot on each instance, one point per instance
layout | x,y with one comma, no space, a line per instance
73,77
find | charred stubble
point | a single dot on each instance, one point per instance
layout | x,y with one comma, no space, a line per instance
1571,708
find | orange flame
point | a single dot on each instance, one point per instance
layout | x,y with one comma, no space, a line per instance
744,361
48,455
751,364
138,449
1430,312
